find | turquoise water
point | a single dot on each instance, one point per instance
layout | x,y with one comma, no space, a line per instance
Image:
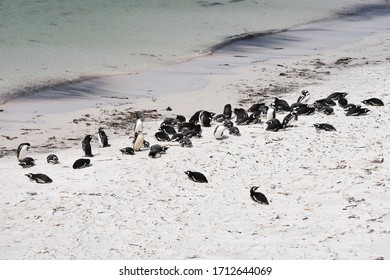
50,42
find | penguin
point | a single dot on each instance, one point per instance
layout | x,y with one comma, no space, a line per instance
186,126
350,105
281,105
357,111
81,163
156,150
271,114
304,97
103,139
162,136
168,129
342,101
256,107
185,142
39,178
297,105
258,196
289,118
191,133
139,126
240,114
21,152
195,117
218,131
196,176
308,110
146,144
177,137
227,111
234,131
138,142
180,119
274,125
373,102
324,102
324,126
52,159
337,95
169,121
127,151
228,124
205,118
247,120
327,110
27,162
86,145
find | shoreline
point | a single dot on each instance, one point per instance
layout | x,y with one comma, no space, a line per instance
328,191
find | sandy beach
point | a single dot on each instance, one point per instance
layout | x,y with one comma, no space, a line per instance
328,190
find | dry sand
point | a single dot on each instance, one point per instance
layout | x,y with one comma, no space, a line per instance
328,191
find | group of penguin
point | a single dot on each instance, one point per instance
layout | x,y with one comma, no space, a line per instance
179,130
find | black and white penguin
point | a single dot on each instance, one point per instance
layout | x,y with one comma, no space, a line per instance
304,97
337,95
27,162
350,106
191,133
195,117
227,111
162,136
52,158
258,196
196,176
357,111
139,125
327,110
168,129
21,152
342,101
373,102
127,151
240,114
324,102
185,142
256,107
228,124
180,119
218,131
138,142
305,111
289,119
281,105
274,125
234,131
324,126
169,121
156,150
103,139
177,137
86,145
205,118
81,163
39,178
271,112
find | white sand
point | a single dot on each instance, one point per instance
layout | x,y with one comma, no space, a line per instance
328,191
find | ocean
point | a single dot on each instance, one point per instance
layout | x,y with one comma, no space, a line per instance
46,43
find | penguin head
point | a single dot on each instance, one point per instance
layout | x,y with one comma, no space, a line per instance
29,175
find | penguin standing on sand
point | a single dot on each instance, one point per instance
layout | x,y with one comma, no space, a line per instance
218,131
22,150
304,97
86,145
103,139
271,113
139,126
138,142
